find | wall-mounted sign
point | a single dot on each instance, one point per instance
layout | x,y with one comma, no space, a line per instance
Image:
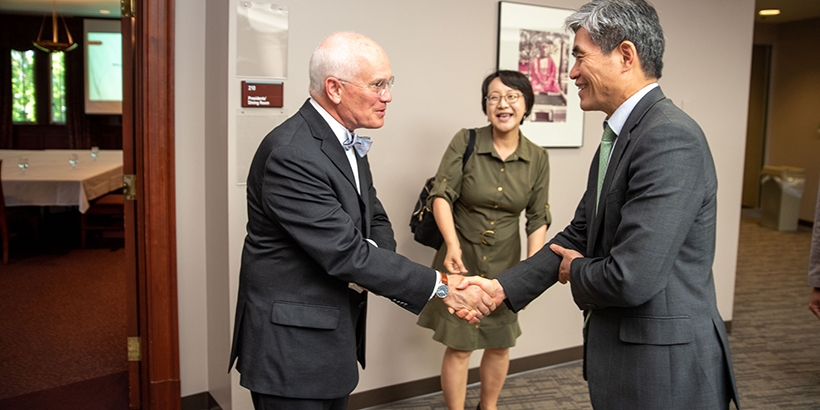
264,95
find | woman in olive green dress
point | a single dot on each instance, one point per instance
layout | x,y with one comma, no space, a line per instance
477,210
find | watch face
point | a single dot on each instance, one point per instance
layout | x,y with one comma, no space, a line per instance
442,291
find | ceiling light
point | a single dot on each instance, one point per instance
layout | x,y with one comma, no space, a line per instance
54,45
769,12
105,12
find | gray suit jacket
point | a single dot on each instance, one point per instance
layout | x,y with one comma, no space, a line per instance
299,329
656,339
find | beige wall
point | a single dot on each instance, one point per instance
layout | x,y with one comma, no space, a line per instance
793,137
439,52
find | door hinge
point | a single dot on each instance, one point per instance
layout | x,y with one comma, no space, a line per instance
134,349
129,187
127,8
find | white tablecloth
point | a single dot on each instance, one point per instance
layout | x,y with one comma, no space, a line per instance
49,179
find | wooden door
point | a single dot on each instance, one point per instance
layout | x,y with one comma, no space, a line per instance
128,168
155,207
148,151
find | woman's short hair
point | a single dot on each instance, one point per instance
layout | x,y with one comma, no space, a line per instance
512,79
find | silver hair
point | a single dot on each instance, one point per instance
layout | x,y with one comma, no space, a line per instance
611,22
337,56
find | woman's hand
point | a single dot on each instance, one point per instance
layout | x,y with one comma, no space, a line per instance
453,263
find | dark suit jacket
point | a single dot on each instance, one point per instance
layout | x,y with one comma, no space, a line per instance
299,329
656,339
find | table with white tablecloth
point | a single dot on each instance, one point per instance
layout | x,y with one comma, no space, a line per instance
50,180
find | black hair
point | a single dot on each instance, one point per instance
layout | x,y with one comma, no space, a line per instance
512,79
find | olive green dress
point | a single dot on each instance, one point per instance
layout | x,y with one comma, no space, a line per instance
487,199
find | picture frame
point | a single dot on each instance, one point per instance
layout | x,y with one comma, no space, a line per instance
532,40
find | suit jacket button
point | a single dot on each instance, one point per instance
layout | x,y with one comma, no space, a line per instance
361,304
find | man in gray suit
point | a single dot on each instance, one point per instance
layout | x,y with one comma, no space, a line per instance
639,259
318,236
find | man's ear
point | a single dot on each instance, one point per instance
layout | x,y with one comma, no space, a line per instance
629,55
333,88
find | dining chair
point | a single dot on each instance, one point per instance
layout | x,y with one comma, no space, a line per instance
104,214
4,226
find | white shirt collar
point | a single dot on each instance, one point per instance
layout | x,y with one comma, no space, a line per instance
341,134
618,118
338,129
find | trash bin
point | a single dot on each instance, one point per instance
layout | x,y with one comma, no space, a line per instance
781,189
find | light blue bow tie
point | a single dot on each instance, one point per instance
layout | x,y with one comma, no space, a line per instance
362,144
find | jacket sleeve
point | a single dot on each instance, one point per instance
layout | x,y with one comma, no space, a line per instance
299,194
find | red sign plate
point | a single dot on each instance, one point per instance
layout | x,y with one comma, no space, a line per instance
262,95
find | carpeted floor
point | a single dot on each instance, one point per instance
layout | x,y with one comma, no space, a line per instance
62,318
74,349
775,340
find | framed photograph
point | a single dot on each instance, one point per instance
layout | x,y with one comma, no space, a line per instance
532,40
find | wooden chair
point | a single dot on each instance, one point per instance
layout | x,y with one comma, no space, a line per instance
104,214
4,226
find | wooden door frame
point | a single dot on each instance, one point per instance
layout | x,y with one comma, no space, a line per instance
156,203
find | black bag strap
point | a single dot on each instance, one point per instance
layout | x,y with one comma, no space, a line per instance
469,151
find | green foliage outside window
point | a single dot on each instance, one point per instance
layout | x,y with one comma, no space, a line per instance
22,86
58,87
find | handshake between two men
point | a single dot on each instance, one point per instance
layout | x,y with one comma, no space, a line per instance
475,297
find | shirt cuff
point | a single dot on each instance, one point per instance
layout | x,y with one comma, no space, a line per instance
438,282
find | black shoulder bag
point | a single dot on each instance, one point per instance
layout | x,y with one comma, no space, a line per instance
422,222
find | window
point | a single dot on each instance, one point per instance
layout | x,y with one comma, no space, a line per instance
22,86
25,85
58,88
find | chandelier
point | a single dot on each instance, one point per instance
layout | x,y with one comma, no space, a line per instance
54,44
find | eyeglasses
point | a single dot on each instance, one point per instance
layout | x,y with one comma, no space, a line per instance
496,98
379,87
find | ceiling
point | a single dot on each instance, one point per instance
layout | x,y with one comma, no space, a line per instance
791,10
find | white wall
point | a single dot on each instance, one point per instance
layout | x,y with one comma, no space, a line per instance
439,53
189,107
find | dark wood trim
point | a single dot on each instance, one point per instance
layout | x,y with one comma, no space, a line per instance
156,220
130,207
429,385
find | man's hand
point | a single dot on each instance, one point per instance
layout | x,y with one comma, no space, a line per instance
491,288
472,302
568,255
814,302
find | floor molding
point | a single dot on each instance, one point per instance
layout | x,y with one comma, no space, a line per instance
200,401
429,385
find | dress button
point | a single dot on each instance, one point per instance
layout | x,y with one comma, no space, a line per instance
502,169
500,188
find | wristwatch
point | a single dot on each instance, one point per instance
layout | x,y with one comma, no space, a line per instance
442,290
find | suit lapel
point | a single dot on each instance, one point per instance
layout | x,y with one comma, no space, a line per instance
622,143
329,143
333,150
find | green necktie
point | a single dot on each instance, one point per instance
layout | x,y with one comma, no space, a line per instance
606,148
603,161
